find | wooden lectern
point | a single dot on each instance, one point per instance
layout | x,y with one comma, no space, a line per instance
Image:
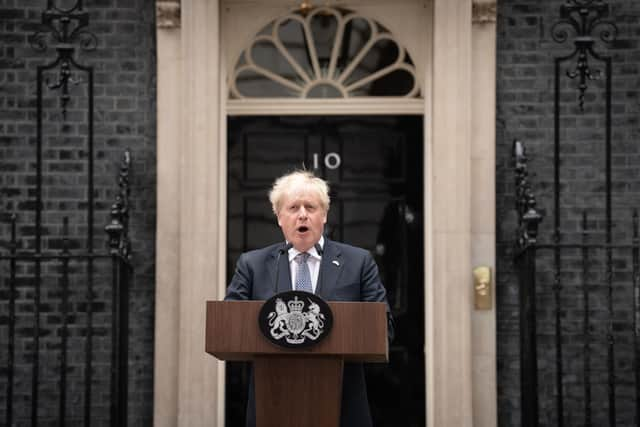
298,387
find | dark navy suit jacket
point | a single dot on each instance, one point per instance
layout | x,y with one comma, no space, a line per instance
346,273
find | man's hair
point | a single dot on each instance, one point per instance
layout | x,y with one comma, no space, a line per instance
297,182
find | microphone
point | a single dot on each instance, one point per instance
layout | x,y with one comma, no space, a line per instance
281,251
318,248
284,249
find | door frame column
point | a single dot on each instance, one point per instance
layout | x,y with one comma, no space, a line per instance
188,217
448,230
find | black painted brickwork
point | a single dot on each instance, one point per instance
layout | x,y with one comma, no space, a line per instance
125,96
525,111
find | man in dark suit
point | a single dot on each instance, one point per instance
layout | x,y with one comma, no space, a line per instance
337,272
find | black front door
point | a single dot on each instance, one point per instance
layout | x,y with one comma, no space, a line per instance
374,167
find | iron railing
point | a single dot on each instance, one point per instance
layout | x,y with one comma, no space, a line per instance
588,280
605,275
67,303
25,278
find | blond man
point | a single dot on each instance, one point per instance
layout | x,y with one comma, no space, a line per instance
307,260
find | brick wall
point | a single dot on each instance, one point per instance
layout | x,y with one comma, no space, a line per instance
124,66
525,82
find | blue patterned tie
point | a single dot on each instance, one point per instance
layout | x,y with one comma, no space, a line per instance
303,277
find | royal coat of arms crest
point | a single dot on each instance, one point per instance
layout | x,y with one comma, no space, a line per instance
295,319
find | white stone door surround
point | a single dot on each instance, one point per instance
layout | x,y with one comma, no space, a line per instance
458,106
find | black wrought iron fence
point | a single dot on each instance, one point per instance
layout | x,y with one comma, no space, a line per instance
60,363
580,306
579,275
63,303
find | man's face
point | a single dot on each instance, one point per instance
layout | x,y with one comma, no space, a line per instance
302,218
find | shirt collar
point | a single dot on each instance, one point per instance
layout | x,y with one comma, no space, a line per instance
313,253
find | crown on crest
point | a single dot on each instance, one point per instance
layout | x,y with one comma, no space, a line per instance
296,305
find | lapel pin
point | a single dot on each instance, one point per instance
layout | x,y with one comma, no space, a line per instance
336,262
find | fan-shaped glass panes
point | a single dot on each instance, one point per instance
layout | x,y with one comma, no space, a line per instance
325,53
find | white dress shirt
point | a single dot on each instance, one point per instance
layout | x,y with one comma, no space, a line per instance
313,262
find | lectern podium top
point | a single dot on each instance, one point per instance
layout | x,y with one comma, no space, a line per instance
359,332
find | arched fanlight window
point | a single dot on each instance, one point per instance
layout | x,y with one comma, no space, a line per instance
323,53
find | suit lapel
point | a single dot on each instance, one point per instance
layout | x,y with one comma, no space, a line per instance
330,269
